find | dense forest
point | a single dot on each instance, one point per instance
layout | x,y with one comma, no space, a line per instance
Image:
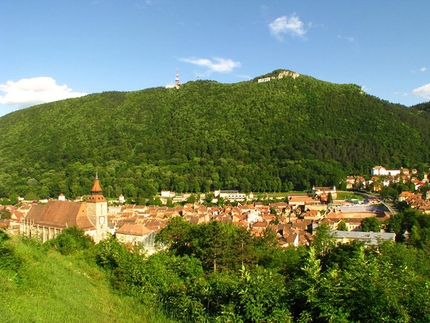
217,272
289,133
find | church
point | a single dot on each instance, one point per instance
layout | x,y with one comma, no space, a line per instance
47,221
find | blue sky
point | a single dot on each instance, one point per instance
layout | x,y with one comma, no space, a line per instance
54,49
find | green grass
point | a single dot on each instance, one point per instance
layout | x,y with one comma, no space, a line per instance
40,286
278,195
348,195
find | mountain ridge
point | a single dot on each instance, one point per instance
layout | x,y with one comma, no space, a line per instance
288,132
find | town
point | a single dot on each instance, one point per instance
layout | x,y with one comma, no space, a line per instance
294,217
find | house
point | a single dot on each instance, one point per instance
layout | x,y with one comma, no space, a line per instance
121,199
312,214
137,235
47,221
355,182
254,217
167,194
301,200
405,196
324,191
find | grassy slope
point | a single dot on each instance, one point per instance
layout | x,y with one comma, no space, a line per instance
49,287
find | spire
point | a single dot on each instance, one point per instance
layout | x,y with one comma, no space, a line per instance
97,189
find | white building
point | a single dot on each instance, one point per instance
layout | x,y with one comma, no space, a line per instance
382,171
231,195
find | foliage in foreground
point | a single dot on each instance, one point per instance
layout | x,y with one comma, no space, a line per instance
259,282
324,283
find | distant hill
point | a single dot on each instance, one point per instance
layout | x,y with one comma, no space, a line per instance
292,131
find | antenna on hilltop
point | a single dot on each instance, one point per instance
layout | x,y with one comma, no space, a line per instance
177,83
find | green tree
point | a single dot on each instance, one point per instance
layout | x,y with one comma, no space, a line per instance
220,201
192,199
5,213
323,242
388,192
261,297
342,226
371,224
169,202
5,201
209,197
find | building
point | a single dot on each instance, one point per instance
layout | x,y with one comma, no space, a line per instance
177,84
369,238
382,171
323,192
355,182
136,234
47,221
304,201
231,195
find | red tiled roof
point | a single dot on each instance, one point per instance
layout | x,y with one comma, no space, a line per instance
134,229
60,214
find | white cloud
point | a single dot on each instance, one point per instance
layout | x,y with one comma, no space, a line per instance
423,91
422,70
288,25
349,39
244,76
31,91
405,94
219,65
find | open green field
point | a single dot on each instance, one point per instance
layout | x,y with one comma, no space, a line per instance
348,195
277,195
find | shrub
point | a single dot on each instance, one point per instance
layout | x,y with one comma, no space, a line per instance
71,240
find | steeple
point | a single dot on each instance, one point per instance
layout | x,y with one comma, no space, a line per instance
96,191
97,210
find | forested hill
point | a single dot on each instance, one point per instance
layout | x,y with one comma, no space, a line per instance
422,107
271,136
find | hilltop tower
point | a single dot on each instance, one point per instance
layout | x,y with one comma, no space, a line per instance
97,211
177,83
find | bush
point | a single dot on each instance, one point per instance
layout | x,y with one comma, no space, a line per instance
71,240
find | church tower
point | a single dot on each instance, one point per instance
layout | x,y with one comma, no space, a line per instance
97,211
